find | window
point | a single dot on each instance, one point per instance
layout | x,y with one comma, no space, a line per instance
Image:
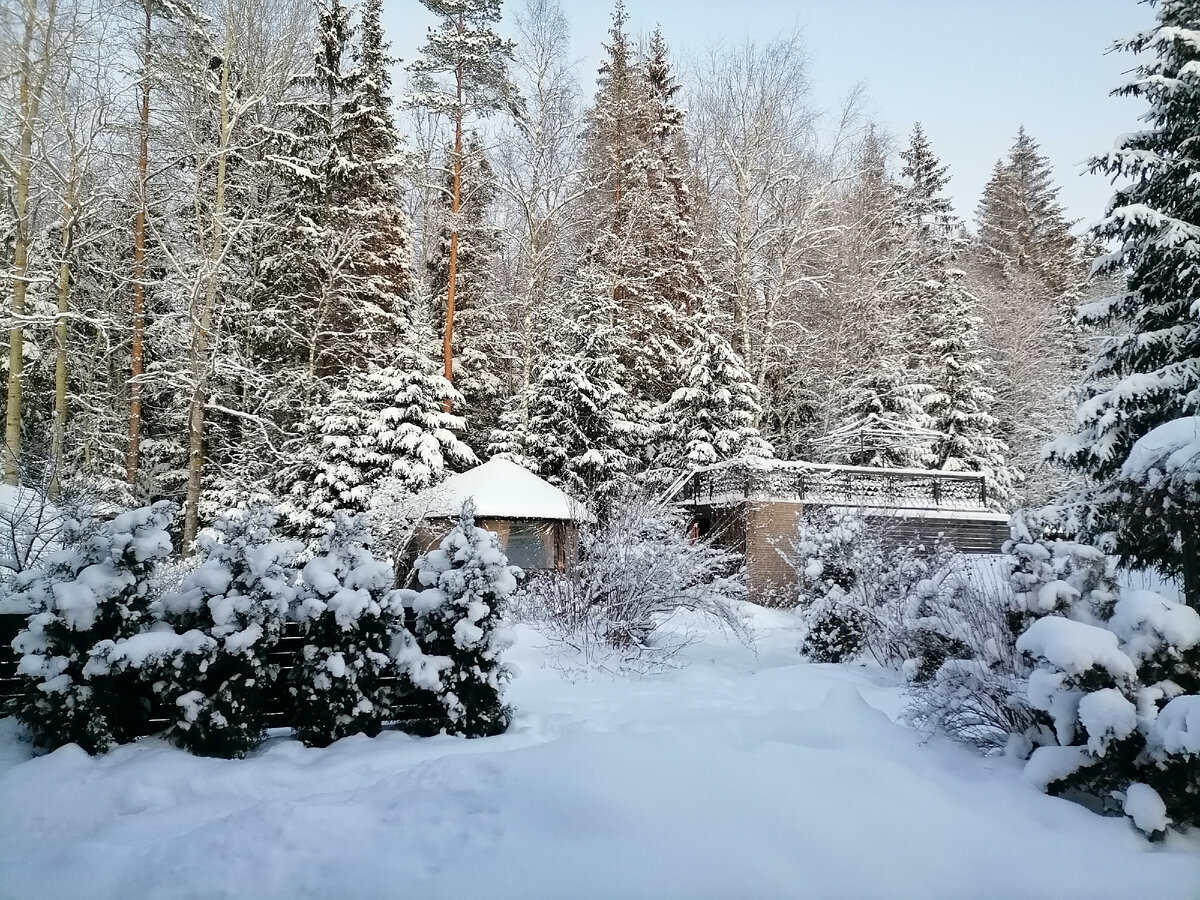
530,545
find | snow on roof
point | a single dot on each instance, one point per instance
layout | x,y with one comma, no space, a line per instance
504,490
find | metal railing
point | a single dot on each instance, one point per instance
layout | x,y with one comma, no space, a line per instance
835,486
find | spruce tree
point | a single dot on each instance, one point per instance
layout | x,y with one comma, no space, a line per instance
713,416
352,620
643,242
95,590
885,422
959,404
572,425
387,423
1022,227
467,581
340,246
1148,376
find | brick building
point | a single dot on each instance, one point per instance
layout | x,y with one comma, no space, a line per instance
754,506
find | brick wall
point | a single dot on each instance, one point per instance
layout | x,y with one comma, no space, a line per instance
770,525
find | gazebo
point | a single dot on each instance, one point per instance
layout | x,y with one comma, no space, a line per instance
537,523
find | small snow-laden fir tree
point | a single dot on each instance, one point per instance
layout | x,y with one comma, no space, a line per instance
571,426
95,589
353,625
467,583
960,403
387,423
1050,574
831,550
1149,375
237,597
1118,695
713,416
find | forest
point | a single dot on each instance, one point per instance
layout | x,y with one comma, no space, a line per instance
254,259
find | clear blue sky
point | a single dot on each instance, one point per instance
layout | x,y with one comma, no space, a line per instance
971,70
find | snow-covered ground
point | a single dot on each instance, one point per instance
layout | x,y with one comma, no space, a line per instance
737,776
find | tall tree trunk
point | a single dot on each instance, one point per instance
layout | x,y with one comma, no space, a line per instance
202,318
456,194
32,81
139,266
59,439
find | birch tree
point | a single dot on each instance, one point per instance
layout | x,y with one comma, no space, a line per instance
40,38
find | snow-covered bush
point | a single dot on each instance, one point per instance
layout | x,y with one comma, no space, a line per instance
353,623
635,571
831,551
30,528
212,671
968,680
1116,694
1053,575
92,590
467,583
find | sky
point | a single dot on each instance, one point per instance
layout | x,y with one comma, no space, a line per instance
971,71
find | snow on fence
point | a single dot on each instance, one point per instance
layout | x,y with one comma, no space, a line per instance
284,655
826,485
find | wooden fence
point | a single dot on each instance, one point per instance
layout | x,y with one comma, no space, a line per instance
284,655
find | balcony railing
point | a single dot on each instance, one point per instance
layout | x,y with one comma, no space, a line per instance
834,486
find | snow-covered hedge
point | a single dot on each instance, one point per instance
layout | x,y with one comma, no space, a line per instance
467,583
117,639
353,622
95,589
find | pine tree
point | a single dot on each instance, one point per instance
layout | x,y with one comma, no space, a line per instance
1148,376
465,48
480,333
387,423
353,625
712,417
239,597
93,591
467,582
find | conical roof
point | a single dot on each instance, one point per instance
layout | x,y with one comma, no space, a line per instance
501,489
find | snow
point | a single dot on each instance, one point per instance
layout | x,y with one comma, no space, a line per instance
1172,449
1074,647
746,773
500,489
1106,715
1177,728
1146,808
1145,620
